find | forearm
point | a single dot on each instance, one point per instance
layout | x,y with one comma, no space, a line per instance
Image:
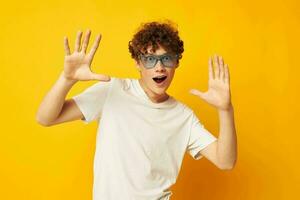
53,102
227,140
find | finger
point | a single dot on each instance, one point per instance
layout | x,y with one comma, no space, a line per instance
95,46
66,46
100,77
86,41
217,69
210,69
226,76
196,92
221,64
78,41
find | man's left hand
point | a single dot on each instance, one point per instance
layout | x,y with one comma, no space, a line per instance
218,93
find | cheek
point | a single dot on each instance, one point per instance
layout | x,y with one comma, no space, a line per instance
171,74
147,77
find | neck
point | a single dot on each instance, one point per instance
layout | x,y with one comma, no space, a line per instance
155,98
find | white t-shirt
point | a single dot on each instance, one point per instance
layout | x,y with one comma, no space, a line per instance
140,144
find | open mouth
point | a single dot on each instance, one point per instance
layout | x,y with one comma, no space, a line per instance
159,79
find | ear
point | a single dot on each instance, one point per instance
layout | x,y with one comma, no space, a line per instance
137,65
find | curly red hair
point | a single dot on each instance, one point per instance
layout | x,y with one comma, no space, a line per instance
156,34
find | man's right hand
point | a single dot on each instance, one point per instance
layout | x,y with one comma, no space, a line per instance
77,66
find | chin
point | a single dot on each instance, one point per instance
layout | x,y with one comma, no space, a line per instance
160,89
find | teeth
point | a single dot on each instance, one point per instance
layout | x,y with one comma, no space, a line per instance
160,76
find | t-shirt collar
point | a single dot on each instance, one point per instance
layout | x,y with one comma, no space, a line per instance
167,103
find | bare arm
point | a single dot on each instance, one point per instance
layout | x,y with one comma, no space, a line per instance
222,152
227,141
54,101
54,108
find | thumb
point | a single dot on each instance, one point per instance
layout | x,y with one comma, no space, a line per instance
100,77
197,93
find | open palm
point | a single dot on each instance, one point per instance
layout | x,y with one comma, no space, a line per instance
218,93
77,66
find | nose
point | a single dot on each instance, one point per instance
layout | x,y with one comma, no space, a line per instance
159,66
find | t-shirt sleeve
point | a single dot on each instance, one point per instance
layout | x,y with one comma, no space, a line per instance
199,138
92,100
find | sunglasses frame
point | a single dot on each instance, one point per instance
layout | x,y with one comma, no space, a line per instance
157,58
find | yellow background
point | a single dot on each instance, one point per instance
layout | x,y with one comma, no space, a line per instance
258,39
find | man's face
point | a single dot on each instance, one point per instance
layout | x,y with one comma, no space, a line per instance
148,75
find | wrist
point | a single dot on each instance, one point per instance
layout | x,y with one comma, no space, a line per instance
228,108
67,81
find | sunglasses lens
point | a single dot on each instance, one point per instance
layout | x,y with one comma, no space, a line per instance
169,61
148,61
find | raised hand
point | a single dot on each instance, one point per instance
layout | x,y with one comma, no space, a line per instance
218,93
77,66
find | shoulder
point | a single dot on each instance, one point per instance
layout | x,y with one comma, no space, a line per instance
123,82
184,107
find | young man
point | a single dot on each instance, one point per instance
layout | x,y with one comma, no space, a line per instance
144,132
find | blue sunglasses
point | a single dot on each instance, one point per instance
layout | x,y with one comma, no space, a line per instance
168,60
